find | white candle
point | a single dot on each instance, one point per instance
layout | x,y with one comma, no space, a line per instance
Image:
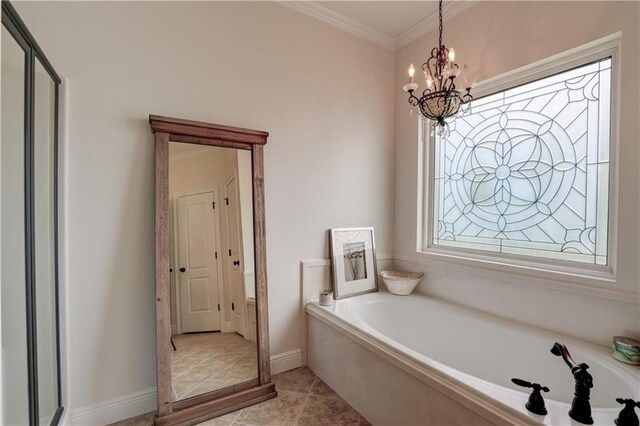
452,55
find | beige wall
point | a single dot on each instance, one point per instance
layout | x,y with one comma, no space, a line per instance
325,96
493,38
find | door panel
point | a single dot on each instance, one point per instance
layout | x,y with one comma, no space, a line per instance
199,295
197,240
198,285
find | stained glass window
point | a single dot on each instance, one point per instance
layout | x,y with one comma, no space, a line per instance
526,171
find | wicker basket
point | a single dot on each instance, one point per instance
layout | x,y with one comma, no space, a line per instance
401,283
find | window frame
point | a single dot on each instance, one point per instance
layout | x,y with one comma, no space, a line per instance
536,266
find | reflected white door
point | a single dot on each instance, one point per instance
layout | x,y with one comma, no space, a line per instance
234,255
197,263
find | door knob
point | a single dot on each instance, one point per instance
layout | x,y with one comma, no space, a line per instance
236,262
182,269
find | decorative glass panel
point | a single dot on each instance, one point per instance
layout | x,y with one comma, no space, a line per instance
526,171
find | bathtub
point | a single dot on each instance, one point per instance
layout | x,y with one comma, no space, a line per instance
421,361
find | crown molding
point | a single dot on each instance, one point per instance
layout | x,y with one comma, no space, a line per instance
451,9
328,16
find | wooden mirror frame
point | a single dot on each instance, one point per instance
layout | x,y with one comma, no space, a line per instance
225,400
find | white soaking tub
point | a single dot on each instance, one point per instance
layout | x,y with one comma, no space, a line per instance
421,361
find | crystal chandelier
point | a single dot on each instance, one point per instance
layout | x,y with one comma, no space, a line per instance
440,99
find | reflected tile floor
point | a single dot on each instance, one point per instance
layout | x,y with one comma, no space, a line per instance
204,362
303,399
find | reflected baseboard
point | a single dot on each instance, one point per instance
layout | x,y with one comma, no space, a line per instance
145,401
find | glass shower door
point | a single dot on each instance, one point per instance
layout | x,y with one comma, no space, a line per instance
15,395
30,373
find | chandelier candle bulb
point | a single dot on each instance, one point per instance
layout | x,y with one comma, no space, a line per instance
452,55
412,72
465,76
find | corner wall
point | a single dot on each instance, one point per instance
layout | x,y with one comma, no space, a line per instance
493,38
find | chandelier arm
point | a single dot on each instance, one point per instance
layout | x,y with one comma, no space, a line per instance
413,100
431,66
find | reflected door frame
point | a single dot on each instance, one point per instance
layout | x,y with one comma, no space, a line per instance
33,54
229,257
176,253
215,403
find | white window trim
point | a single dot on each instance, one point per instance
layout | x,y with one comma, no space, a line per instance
563,271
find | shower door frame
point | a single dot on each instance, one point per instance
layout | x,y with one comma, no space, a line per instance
17,28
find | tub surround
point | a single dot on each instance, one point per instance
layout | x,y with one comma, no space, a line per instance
443,358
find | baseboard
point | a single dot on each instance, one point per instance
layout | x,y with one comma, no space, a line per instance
144,401
286,361
115,409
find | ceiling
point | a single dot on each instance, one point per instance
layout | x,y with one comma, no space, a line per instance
389,17
391,24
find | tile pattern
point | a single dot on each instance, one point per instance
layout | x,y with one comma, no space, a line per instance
303,399
205,362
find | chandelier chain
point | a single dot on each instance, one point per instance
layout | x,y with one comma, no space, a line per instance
440,27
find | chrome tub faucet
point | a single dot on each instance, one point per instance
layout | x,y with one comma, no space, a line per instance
580,407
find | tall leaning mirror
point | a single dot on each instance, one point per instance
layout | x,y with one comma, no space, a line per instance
211,294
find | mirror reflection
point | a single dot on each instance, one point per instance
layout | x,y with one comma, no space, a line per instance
213,316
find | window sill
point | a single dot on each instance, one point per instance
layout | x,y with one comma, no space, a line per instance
597,283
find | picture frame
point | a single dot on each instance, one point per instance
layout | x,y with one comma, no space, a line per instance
353,261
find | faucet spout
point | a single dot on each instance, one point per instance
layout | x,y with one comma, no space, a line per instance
559,349
580,407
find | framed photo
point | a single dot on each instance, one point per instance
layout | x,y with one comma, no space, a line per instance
353,261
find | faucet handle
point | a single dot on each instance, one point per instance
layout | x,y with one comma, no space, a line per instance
627,416
535,404
525,384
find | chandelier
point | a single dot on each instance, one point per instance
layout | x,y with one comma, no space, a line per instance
440,99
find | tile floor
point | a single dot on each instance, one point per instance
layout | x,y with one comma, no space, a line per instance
204,362
303,399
